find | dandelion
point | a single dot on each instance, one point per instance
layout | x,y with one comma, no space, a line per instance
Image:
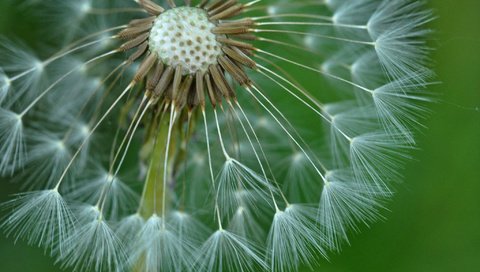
200,135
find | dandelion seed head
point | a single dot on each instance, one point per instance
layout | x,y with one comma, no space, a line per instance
184,132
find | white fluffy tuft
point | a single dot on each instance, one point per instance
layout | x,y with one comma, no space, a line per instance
397,29
376,158
157,248
294,239
235,177
41,218
12,142
225,251
344,204
93,247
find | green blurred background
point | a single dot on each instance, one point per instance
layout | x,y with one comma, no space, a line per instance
434,221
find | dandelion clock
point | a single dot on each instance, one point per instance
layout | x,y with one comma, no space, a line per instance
210,135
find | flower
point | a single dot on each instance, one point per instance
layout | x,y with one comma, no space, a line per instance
168,136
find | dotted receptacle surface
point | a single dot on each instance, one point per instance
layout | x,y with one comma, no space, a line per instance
183,36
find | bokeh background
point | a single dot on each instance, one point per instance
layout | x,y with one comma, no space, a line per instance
434,221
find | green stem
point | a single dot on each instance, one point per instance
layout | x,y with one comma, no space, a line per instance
151,201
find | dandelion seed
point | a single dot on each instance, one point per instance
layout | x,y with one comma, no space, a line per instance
348,121
120,199
12,142
395,104
187,228
244,224
226,251
343,205
127,226
396,28
294,238
159,249
28,69
234,177
375,158
363,73
42,218
202,110
47,157
93,246
298,184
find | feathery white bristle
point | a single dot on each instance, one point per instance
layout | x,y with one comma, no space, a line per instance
42,218
298,183
294,238
157,248
354,12
376,158
225,251
128,227
25,69
348,121
243,223
120,197
190,231
47,157
93,247
397,29
344,204
366,70
5,85
235,177
399,104
12,142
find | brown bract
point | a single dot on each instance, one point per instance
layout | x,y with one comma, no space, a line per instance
165,84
